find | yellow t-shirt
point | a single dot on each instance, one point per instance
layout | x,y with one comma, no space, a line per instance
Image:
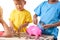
20,17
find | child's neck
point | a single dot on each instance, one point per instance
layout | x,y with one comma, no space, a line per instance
20,9
52,2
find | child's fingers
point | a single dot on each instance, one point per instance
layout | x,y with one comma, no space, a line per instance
45,26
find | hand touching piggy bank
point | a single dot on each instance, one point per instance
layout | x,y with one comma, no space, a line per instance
34,30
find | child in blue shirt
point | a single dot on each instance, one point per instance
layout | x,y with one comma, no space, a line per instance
49,12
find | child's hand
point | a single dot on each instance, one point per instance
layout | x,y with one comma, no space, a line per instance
18,32
12,30
47,26
19,28
23,25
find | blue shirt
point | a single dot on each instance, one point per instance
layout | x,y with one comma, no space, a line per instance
49,14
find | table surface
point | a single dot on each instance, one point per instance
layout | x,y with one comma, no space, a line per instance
23,37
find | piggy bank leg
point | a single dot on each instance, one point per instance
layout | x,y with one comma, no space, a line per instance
36,37
28,36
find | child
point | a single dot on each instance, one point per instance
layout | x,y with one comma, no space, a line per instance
49,11
7,32
20,17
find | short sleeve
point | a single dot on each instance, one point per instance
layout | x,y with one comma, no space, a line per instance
28,17
37,10
11,18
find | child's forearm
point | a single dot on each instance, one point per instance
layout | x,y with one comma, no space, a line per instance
56,24
4,24
11,24
35,20
6,28
23,25
51,25
35,16
12,28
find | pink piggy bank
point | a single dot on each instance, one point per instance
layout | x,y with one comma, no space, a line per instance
34,30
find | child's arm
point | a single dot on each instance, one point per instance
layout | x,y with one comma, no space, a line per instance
11,24
11,27
7,32
23,25
52,25
4,24
35,19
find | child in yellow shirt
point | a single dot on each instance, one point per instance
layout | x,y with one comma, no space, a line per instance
7,32
20,17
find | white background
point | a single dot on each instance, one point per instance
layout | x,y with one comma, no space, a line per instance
8,6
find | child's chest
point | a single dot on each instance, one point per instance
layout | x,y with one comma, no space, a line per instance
19,16
50,10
